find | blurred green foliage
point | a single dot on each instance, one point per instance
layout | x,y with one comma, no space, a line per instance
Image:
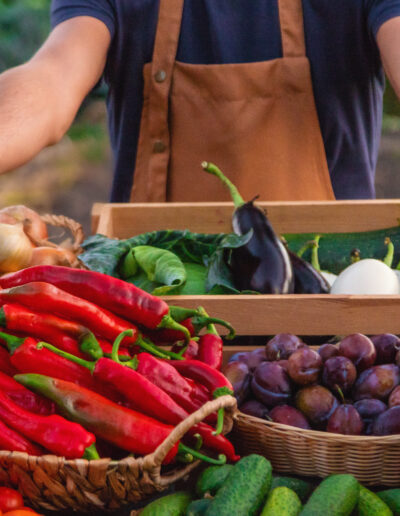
24,24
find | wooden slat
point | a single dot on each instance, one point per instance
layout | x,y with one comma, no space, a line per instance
301,314
126,220
96,213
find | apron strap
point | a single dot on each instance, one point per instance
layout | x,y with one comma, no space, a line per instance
292,28
164,55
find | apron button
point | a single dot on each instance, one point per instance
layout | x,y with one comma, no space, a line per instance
160,76
159,146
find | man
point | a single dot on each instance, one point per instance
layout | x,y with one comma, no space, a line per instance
284,95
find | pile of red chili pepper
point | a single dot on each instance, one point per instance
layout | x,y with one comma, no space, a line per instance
83,374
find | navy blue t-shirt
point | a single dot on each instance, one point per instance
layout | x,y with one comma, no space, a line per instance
347,75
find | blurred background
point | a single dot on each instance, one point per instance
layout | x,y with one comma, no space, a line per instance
69,177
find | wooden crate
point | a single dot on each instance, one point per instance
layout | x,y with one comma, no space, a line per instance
267,314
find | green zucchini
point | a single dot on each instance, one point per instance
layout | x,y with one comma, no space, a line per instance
212,479
337,495
245,489
369,504
335,248
302,488
171,505
198,507
282,501
391,497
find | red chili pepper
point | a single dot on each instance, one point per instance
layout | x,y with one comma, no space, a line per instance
126,428
42,325
190,351
118,296
13,441
211,350
25,398
167,335
210,378
6,366
54,433
138,393
26,358
165,376
48,298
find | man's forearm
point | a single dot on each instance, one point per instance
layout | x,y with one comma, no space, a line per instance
389,45
27,118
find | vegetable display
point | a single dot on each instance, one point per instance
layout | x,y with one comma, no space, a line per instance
250,487
352,387
80,386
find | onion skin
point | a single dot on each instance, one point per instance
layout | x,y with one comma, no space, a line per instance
53,256
15,248
33,221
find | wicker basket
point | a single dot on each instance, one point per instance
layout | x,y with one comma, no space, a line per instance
54,483
372,460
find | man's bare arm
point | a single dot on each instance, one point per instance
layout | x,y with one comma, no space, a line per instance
388,39
39,99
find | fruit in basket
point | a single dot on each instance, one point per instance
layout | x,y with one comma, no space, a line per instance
255,408
359,349
394,398
386,345
239,375
327,351
377,382
317,403
287,415
388,422
304,366
339,372
345,420
271,384
255,358
282,346
369,408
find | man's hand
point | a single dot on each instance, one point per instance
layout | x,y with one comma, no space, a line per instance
388,39
39,99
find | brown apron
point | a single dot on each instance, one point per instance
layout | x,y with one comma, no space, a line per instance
256,121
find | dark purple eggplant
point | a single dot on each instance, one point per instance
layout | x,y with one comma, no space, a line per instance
307,280
263,264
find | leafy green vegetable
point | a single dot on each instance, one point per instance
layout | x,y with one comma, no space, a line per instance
209,251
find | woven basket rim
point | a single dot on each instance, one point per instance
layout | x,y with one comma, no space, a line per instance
318,434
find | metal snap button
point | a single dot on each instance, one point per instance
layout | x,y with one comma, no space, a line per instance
159,146
160,76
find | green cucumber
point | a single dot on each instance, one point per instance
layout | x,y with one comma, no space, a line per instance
198,507
282,501
245,489
302,488
391,497
336,495
335,248
369,504
171,505
212,478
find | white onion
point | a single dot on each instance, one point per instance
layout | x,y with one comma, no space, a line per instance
369,276
329,276
15,248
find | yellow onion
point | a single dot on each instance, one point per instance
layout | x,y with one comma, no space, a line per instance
15,248
53,256
33,223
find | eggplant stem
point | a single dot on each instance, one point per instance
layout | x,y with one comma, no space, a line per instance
388,260
215,171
